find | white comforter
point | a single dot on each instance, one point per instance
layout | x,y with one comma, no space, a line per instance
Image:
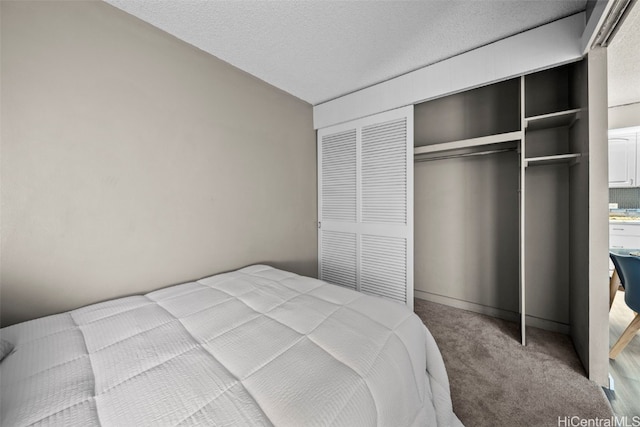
257,346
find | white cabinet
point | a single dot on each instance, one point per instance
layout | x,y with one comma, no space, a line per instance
623,161
624,235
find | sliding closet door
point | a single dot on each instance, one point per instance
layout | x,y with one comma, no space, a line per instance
365,204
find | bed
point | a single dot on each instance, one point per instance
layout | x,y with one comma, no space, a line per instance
256,346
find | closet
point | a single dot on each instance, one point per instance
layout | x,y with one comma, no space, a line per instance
509,210
498,188
477,200
466,179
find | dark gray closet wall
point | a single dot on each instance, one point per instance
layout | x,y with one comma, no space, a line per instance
466,229
479,112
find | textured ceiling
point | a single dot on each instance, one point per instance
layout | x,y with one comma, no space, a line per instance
624,61
320,50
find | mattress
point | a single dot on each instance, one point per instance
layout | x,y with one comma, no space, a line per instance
257,346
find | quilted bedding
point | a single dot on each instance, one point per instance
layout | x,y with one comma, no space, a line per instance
257,346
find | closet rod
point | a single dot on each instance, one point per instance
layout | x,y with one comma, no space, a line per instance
455,156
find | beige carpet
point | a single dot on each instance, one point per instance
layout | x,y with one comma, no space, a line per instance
497,382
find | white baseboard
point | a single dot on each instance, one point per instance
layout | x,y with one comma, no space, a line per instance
511,316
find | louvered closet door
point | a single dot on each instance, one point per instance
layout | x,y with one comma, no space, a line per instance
365,190
338,208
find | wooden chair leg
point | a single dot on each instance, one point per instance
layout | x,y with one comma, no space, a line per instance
614,283
625,338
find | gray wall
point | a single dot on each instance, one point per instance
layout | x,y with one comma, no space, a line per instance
547,221
466,229
131,161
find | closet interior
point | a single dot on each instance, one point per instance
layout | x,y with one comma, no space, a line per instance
500,185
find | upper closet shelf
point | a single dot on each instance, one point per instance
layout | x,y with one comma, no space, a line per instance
468,143
553,120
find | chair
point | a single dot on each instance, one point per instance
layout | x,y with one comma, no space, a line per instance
616,280
628,268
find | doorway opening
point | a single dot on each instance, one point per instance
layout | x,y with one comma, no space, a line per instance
623,59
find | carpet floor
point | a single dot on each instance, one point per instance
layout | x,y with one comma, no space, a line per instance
497,382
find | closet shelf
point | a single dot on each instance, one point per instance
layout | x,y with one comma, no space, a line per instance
549,160
552,120
468,143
